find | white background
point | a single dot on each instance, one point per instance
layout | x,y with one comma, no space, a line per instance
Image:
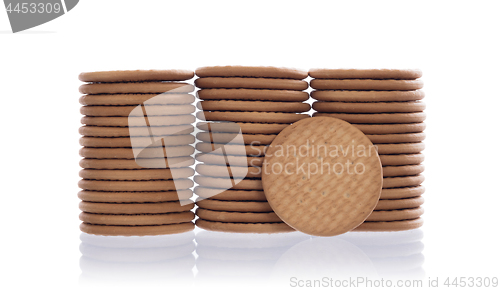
455,43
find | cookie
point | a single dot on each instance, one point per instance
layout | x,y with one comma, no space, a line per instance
395,215
304,200
232,195
253,95
367,84
143,87
365,74
249,116
151,110
368,118
391,128
241,217
400,193
223,183
369,107
391,225
127,153
400,148
138,197
157,131
226,172
125,142
136,175
259,106
398,171
244,127
134,208
136,76
224,160
138,219
397,138
232,149
267,227
154,185
137,99
367,96
398,182
402,160
250,83
136,230
235,206
405,203
246,71
153,121
248,139
159,163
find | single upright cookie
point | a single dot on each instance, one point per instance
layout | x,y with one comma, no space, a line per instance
410,74
247,71
136,76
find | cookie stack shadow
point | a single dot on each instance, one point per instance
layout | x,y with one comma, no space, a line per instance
387,106
242,111
137,152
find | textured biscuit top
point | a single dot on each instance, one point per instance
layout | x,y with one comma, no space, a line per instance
256,72
365,74
136,76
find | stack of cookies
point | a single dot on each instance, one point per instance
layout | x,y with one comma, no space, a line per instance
242,111
387,106
138,127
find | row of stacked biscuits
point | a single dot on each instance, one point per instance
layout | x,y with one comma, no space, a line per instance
258,103
132,119
387,106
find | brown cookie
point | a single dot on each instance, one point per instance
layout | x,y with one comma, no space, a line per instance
367,84
391,225
234,206
213,159
250,83
137,197
153,121
131,88
369,107
157,131
266,227
402,160
304,200
223,183
241,217
391,128
259,106
244,127
226,172
398,182
137,99
400,148
127,153
365,74
368,118
159,163
137,219
395,215
155,185
398,171
367,96
248,139
253,95
136,230
134,208
232,149
250,116
151,110
136,76
232,195
125,142
404,203
397,138
136,175
246,71
400,193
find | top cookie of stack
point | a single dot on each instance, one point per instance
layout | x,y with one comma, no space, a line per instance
261,101
132,118
387,106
